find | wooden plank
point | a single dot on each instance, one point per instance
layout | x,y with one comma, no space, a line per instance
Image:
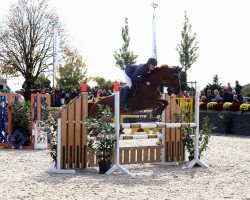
152,155
139,155
120,156
84,115
78,127
132,156
145,156
71,132
126,156
167,131
64,133
158,155
172,130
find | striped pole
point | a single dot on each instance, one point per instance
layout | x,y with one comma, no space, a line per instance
157,125
140,136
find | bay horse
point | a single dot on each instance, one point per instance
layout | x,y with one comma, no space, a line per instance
147,95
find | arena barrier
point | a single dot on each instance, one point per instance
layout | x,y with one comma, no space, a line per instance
72,152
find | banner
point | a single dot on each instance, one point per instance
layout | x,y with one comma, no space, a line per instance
55,50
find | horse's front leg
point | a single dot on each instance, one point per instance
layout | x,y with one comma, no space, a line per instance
159,106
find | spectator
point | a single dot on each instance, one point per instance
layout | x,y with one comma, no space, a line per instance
104,93
110,92
95,92
58,97
226,96
202,93
238,89
209,96
73,94
234,93
229,88
181,95
186,94
203,99
235,99
217,97
173,96
67,98
62,99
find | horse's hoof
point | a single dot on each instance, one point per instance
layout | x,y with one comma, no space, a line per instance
148,116
154,113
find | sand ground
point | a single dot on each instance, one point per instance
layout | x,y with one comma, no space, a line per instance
23,176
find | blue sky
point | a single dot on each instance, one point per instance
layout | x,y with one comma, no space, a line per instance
222,29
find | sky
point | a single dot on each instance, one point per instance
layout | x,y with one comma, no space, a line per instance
222,29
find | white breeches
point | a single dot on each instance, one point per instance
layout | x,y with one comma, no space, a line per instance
128,81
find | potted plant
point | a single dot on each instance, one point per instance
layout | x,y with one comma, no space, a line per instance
101,137
203,105
188,136
245,107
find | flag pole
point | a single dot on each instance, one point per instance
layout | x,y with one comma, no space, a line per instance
154,49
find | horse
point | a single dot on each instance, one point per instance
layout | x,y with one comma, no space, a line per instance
147,95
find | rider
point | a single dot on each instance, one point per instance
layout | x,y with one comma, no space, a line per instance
136,73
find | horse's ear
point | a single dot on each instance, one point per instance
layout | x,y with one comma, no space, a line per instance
178,68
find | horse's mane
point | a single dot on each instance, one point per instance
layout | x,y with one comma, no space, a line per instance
166,67
162,67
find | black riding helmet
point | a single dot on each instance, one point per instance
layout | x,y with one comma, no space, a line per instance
152,61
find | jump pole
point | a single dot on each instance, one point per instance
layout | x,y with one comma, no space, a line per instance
116,165
196,159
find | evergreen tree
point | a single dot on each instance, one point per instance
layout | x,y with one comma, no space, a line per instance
188,47
125,57
215,84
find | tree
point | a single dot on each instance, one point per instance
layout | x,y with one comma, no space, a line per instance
124,56
215,84
246,90
73,73
188,47
26,41
43,81
108,85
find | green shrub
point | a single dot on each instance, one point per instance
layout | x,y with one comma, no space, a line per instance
21,120
246,91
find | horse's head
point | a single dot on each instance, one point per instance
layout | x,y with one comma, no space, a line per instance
170,75
175,79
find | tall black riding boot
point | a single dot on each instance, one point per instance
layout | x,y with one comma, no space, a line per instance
125,98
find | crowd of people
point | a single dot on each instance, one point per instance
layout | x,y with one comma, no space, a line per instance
228,94
63,98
